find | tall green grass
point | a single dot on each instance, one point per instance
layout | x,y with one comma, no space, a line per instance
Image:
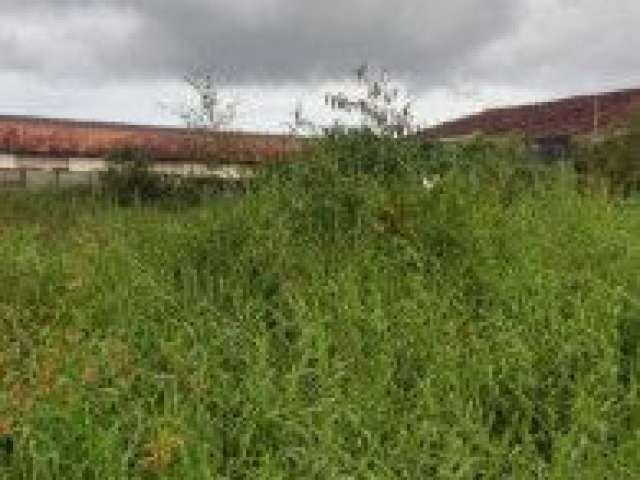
336,321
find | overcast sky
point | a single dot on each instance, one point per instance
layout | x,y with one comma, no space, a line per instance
120,60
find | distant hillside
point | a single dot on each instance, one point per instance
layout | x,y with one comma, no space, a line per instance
569,116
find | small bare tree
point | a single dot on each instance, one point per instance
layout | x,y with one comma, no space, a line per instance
204,108
301,124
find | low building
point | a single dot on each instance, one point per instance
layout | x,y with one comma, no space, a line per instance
547,126
43,151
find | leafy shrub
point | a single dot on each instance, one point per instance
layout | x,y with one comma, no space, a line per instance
613,163
128,178
364,153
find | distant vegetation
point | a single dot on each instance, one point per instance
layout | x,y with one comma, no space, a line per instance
615,161
129,180
337,320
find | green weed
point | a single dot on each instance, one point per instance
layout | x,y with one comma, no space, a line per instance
338,320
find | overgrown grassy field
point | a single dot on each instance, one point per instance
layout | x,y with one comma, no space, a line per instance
333,322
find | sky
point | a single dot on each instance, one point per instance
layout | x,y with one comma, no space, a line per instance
124,60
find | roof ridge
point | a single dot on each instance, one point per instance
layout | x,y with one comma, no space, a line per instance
133,126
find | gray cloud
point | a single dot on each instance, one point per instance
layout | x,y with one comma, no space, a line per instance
565,46
270,41
454,55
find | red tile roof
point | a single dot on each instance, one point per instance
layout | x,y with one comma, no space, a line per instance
70,138
573,116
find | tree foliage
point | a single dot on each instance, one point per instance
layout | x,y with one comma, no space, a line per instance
615,161
382,111
379,107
